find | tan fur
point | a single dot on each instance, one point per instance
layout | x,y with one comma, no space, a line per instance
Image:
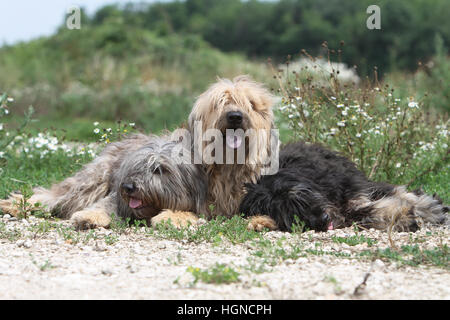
400,209
258,223
14,205
179,219
226,181
91,218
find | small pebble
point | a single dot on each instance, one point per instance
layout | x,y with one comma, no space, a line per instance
302,260
99,247
106,272
20,243
28,244
378,264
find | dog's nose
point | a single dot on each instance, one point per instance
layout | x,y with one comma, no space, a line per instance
128,187
325,218
234,117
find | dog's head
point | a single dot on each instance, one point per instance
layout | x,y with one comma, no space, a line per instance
154,178
238,113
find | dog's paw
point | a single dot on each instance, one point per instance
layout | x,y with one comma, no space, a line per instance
258,223
12,204
179,219
90,219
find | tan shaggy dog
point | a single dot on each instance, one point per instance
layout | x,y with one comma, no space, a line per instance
236,117
242,105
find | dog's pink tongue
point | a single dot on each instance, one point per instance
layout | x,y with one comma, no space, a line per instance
234,142
135,203
330,226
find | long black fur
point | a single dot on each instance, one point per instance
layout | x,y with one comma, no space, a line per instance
319,187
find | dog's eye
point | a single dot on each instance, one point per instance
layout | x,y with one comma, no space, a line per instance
253,104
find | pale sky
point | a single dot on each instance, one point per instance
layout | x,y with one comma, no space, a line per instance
22,20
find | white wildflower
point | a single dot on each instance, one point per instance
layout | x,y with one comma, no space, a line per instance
413,104
333,131
96,130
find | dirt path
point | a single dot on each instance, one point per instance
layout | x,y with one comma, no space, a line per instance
40,263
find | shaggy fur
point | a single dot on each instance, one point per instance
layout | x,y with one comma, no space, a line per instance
252,103
134,178
326,191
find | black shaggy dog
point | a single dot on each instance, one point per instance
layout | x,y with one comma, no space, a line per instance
326,191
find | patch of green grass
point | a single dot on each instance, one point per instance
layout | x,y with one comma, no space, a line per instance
413,255
111,239
218,274
354,240
319,252
119,225
331,279
43,266
10,234
43,227
272,253
72,236
19,172
435,182
214,231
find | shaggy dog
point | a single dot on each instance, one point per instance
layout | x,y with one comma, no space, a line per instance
136,178
238,114
325,190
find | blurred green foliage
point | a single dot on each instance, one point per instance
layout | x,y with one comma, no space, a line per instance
115,71
278,28
146,63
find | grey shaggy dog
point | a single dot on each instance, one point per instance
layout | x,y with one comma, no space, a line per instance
138,178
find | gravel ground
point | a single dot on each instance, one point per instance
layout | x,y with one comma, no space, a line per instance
45,265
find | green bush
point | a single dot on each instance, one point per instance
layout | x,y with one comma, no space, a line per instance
389,136
115,71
